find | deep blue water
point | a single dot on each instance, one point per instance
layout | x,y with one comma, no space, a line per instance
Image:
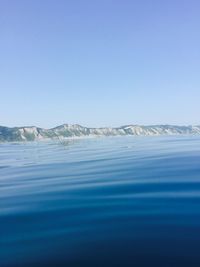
123,201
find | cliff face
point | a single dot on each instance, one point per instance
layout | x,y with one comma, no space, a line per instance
63,131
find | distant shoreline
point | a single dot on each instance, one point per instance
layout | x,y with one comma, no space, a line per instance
75,131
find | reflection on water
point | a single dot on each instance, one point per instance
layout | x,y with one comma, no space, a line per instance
122,201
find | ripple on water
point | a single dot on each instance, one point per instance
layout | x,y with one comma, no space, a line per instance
101,202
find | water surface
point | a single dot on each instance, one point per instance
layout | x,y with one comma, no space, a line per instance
122,201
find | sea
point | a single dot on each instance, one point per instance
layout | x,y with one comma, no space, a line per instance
98,202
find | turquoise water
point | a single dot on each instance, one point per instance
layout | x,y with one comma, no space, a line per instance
122,201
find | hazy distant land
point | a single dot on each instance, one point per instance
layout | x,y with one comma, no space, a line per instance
32,133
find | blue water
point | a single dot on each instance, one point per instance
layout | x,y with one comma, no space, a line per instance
122,201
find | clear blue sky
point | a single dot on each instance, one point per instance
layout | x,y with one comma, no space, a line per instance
99,62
